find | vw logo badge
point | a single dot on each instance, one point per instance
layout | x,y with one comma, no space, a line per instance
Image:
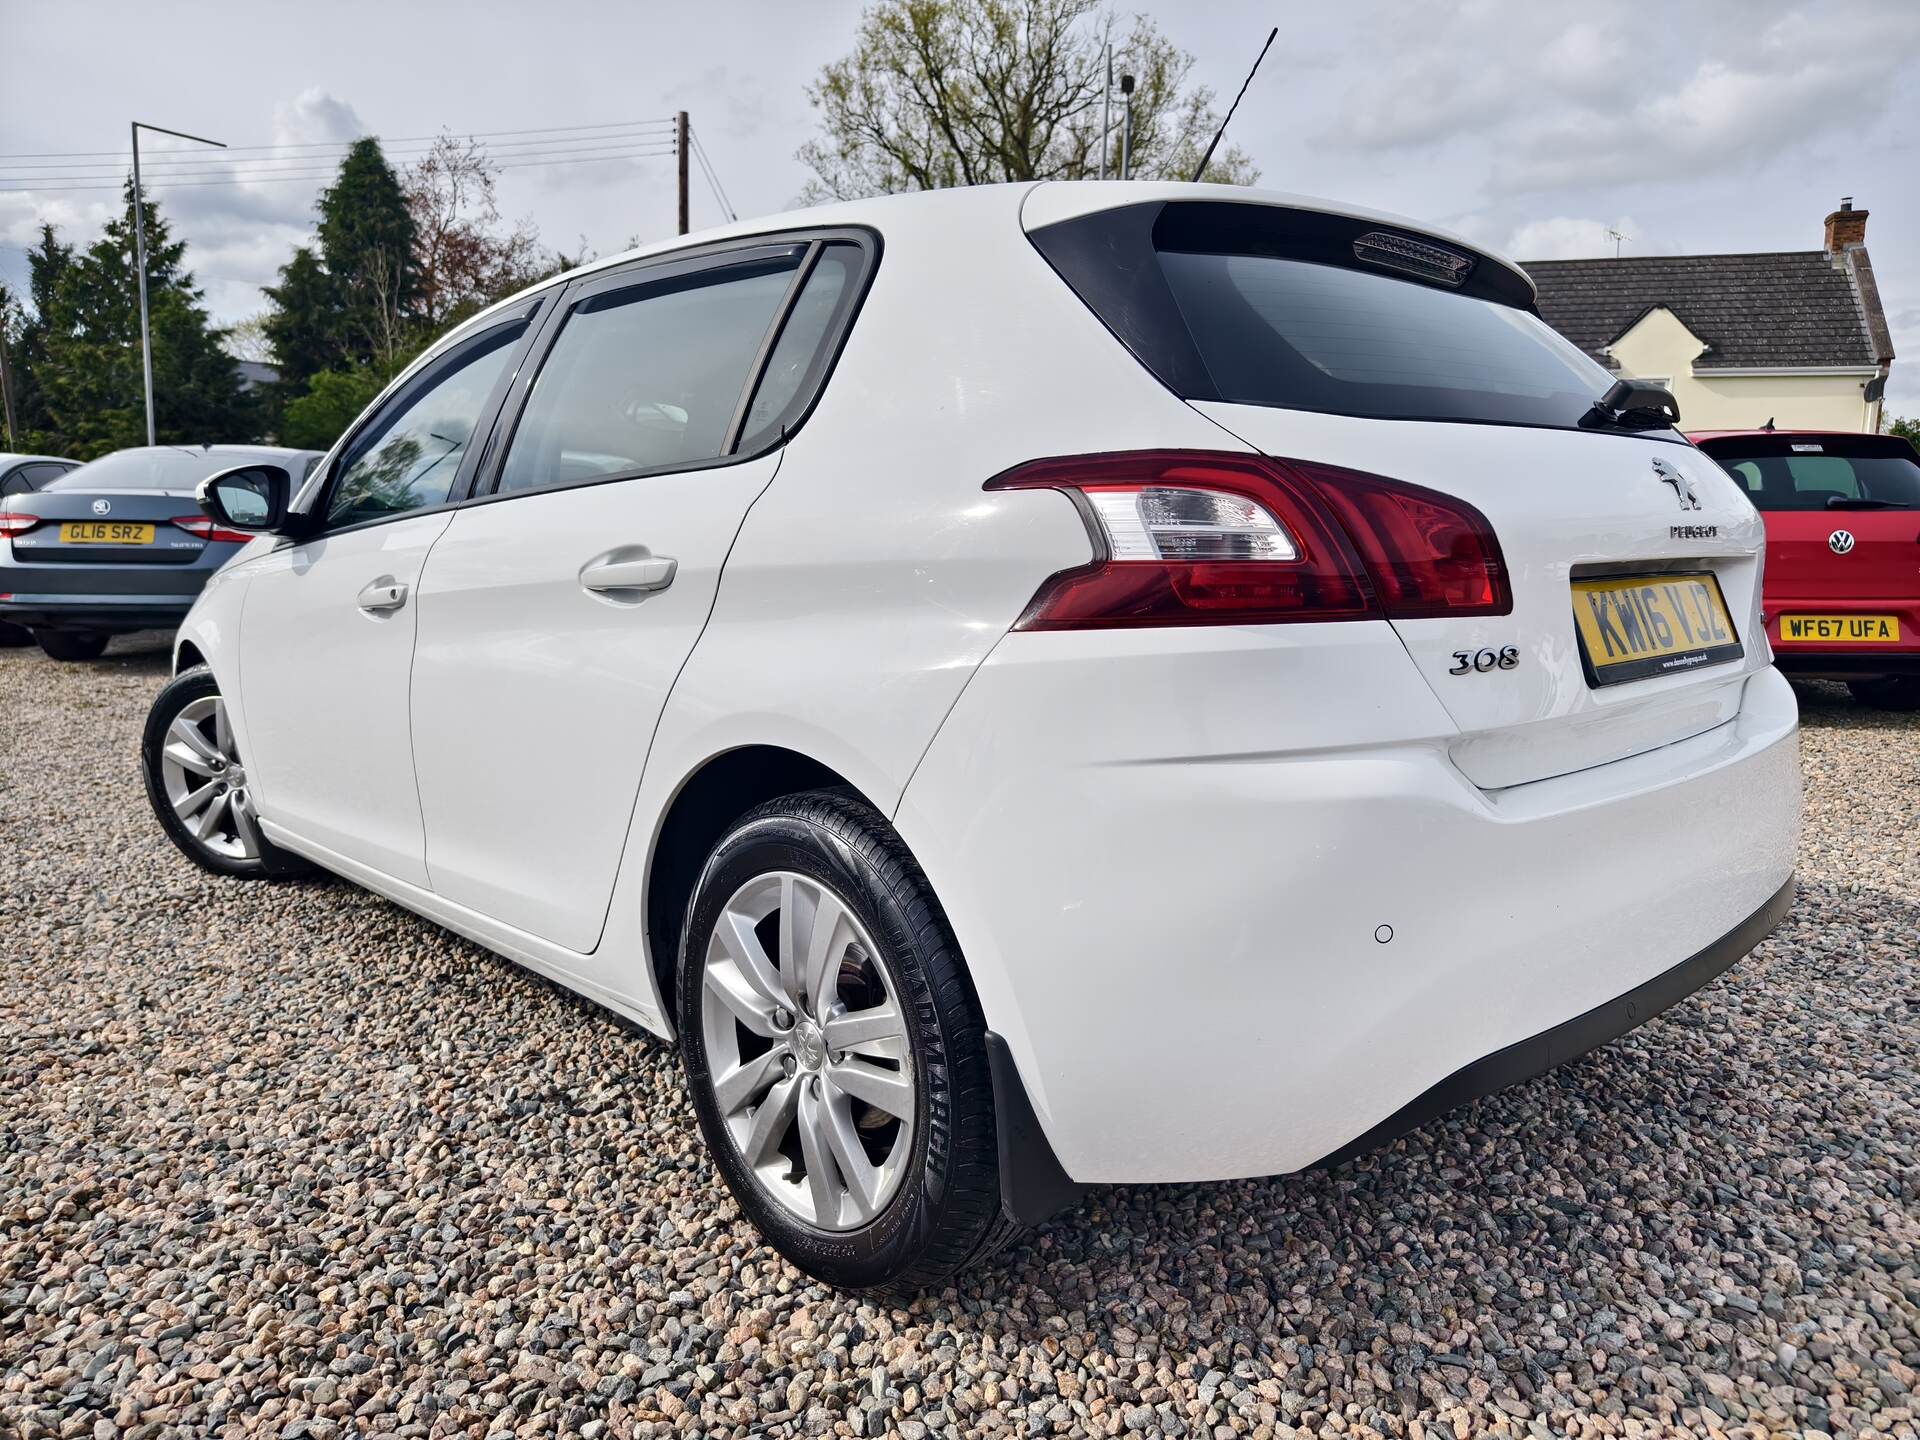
1840,542
101,507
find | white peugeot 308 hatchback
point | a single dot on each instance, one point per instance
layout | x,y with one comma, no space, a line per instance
1029,687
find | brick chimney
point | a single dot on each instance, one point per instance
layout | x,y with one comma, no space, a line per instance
1845,227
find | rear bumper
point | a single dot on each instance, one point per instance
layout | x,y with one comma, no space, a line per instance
1569,1040
1033,1185
1211,959
112,614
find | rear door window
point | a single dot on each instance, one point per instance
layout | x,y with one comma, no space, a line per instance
647,377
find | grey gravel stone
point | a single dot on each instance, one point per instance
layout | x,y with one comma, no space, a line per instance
285,1160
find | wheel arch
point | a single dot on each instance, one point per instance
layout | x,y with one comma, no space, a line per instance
186,655
715,794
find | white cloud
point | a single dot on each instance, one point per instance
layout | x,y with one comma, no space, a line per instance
314,117
1801,80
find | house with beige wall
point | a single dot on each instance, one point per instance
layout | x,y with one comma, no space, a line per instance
1795,337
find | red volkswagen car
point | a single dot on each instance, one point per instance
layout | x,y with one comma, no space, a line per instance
1842,586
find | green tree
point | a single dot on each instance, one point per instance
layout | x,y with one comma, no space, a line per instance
967,92
333,400
366,237
303,325
1905,426
82,348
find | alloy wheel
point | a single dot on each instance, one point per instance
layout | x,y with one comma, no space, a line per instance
205,782
807,1048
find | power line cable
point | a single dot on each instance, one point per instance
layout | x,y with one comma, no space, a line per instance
201,156
713,178
217,167
315,176
327,144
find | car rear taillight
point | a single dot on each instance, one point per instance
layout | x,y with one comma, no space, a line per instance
12,524
1200,538
203,527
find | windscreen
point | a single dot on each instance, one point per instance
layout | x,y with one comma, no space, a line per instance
1825,472
159,469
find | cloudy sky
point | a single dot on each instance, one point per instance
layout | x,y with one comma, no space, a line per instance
1530,125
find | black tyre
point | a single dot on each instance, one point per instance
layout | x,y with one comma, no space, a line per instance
71,644
1890,692
843,1088
197,783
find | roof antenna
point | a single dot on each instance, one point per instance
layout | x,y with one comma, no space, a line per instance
1768,427
1201,169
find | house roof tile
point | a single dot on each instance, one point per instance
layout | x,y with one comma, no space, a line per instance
1783,308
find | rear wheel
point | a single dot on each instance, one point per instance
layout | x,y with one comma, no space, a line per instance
197,783
835,1050
71,644
1889,692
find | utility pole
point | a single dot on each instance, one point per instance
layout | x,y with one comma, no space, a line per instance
1126,127
6,387
140,253
1106,112
680,153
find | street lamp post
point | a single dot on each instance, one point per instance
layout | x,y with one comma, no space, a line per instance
140,253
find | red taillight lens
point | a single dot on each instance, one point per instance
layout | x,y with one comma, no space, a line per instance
12,524
1429,554
1195,538
1199,538
203,527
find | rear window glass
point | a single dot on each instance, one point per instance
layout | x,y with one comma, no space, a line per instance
1307,336
1839,473
161,469
1303,310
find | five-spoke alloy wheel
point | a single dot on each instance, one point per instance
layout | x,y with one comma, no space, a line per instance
197,781
835,1048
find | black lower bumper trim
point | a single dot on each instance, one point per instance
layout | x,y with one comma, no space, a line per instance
100,620
1540,1053
1033,1187
1853,665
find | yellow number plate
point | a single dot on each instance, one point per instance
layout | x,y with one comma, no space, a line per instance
1851,629
105,532
1636,626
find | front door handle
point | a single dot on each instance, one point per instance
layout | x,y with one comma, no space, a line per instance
382,596
629,579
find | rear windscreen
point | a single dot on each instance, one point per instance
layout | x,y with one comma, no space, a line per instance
156,469
1841,472
1262,305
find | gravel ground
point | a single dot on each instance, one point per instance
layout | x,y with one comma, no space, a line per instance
292,1162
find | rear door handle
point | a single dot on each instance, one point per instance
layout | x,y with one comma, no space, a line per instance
622,579
382,596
